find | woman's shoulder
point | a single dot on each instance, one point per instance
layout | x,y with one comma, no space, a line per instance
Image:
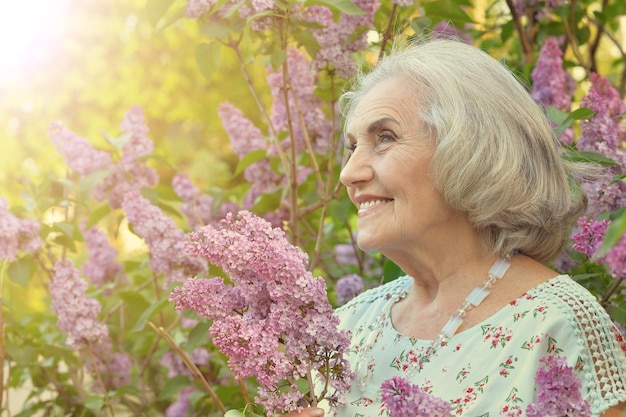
381,293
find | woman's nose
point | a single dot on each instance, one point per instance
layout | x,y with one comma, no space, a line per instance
357,169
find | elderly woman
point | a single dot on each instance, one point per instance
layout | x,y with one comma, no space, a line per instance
457,178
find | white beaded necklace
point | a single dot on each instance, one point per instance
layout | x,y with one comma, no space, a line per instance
474,299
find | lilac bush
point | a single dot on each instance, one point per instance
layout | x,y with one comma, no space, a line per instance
112,343
403,399
273,320
558,391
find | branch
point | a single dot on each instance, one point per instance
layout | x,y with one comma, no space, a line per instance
387,34
527,47
190,365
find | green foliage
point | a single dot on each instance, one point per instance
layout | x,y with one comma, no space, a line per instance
179,70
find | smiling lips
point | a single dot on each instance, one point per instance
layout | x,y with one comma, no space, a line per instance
366,205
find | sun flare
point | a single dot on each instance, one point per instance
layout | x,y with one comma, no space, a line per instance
27,32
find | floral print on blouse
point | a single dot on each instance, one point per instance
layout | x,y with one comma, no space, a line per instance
489,370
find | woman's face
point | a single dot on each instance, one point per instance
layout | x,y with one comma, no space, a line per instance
388,173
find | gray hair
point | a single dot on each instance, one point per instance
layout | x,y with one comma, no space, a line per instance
497,158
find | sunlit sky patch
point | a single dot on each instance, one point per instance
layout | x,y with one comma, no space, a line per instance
28,29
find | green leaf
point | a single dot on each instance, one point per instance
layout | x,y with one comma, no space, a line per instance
98,214
582,113
145,316
446,10
208,58
156,9
173,386
584,156
249,159
22,270
198,336
618,178
391,271
614,233
234,413
94,403
342,6
618,312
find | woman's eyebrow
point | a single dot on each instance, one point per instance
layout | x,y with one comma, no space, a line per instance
380,123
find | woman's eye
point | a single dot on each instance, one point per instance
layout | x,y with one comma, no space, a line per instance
385,137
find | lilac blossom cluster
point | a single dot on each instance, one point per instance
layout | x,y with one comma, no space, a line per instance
558,391
245,137
78,317
165,240
403,399
16,234
588,239
274,322
176,367
339,39
552,85
301,112
79,153
198,8
78,314
129,173
589,235
540,9
605,134
196,207
348,287
102,266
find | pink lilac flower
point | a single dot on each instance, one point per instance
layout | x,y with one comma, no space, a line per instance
196,8
272,319
130,172
113,368
558,391
78,314
102,266
301,102
16,234
138,144
79,153
403,399
552,85
604,134
615,258
244,136
589,236
175,365
541,9
181,407
196,207
165,240
348,287
337,40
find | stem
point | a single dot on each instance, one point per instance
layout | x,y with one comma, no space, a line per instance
571,38
257,100
309,378
609,293
190,365
99,377
527,48
387,35
593,48
244,390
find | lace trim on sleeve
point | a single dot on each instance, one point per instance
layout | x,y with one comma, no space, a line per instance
605,365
